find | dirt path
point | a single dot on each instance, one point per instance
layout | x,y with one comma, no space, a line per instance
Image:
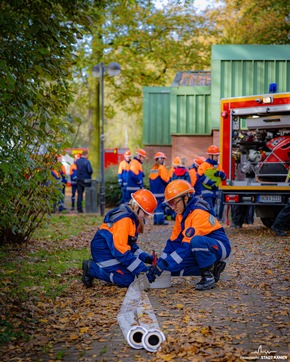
245,317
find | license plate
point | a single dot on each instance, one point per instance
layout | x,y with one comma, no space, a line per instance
270,198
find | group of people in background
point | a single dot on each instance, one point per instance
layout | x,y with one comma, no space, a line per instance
198,244
204,175
80,175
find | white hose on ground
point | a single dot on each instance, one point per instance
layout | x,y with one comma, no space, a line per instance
154,337
137,320
127,317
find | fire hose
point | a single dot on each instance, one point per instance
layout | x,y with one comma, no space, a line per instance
137,320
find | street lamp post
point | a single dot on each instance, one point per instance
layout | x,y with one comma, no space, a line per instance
99,71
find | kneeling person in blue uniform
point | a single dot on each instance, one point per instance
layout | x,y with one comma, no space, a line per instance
117,258
198,243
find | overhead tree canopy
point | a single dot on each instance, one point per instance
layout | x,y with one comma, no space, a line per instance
150,44
38,42
252,22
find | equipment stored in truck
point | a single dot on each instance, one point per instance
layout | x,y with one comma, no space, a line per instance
255,152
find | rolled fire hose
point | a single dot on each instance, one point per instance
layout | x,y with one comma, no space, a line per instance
137,320
154,337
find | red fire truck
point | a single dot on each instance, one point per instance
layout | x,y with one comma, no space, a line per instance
255,152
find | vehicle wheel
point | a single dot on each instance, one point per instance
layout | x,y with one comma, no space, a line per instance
267,221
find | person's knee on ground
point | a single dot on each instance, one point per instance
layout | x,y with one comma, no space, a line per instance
210,266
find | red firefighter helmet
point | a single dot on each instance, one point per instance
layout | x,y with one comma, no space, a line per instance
213,150
199,160
145,200
177,188
141,152
159,155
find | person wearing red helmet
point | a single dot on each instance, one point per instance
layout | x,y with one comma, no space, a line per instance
116,256
123,169
135,174
209,176
158,180
198,243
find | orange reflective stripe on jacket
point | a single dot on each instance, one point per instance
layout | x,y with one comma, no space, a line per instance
201,221
123,166
120,231
159,170
72,168
136,167
193,177
205,166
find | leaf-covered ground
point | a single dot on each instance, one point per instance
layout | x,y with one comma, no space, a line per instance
245,317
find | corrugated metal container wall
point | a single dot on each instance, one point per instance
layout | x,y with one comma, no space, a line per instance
240,70
190,110
156,116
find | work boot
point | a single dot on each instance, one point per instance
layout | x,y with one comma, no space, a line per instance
207,279
86,278
219,267
278,232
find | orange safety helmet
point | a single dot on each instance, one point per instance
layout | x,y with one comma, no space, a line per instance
213,150
127,153
177,161
177,188
199,160
141,152
159,155
145,200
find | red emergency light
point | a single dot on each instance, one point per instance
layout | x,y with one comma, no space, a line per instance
232,199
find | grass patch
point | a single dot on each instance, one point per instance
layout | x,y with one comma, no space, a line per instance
58,227
46,269
42,269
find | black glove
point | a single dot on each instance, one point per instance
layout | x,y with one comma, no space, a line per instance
153,272
148,259
150,275
220,174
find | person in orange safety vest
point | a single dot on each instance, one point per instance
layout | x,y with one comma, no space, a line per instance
135,174
158,180
209,176
198,244
117,258
192,170
73,180
123,169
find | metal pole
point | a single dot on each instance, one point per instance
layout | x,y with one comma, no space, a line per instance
102,150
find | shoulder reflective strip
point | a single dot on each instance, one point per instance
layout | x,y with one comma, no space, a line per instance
207,191
199,249
111,262
134,265
224,252
138,252
154,171
212,219
112,277
159,195
206,180
163,255
176,257
132,188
